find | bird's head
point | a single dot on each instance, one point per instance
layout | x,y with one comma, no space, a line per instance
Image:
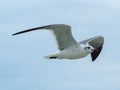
89,48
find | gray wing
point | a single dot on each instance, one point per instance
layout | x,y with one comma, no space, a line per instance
61,32
96,42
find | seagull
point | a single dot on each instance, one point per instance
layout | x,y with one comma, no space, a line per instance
68,47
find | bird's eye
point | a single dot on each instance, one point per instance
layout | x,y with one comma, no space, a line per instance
88,47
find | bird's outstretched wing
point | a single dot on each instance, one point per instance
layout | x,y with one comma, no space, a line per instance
96,42
61,32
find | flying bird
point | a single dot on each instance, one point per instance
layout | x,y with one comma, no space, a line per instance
68,47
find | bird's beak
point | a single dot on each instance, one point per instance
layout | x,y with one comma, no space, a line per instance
95,50
92,50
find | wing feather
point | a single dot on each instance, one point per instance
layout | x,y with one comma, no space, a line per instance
62,34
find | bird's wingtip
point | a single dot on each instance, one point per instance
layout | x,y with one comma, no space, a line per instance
13,34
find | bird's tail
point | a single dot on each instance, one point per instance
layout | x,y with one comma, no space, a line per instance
53,56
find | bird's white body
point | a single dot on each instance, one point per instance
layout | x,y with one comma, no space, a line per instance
74,52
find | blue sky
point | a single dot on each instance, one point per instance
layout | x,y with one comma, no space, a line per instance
22,66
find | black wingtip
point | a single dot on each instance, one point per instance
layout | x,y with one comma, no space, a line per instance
93,60
27,30
96,53
20,32
13,34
